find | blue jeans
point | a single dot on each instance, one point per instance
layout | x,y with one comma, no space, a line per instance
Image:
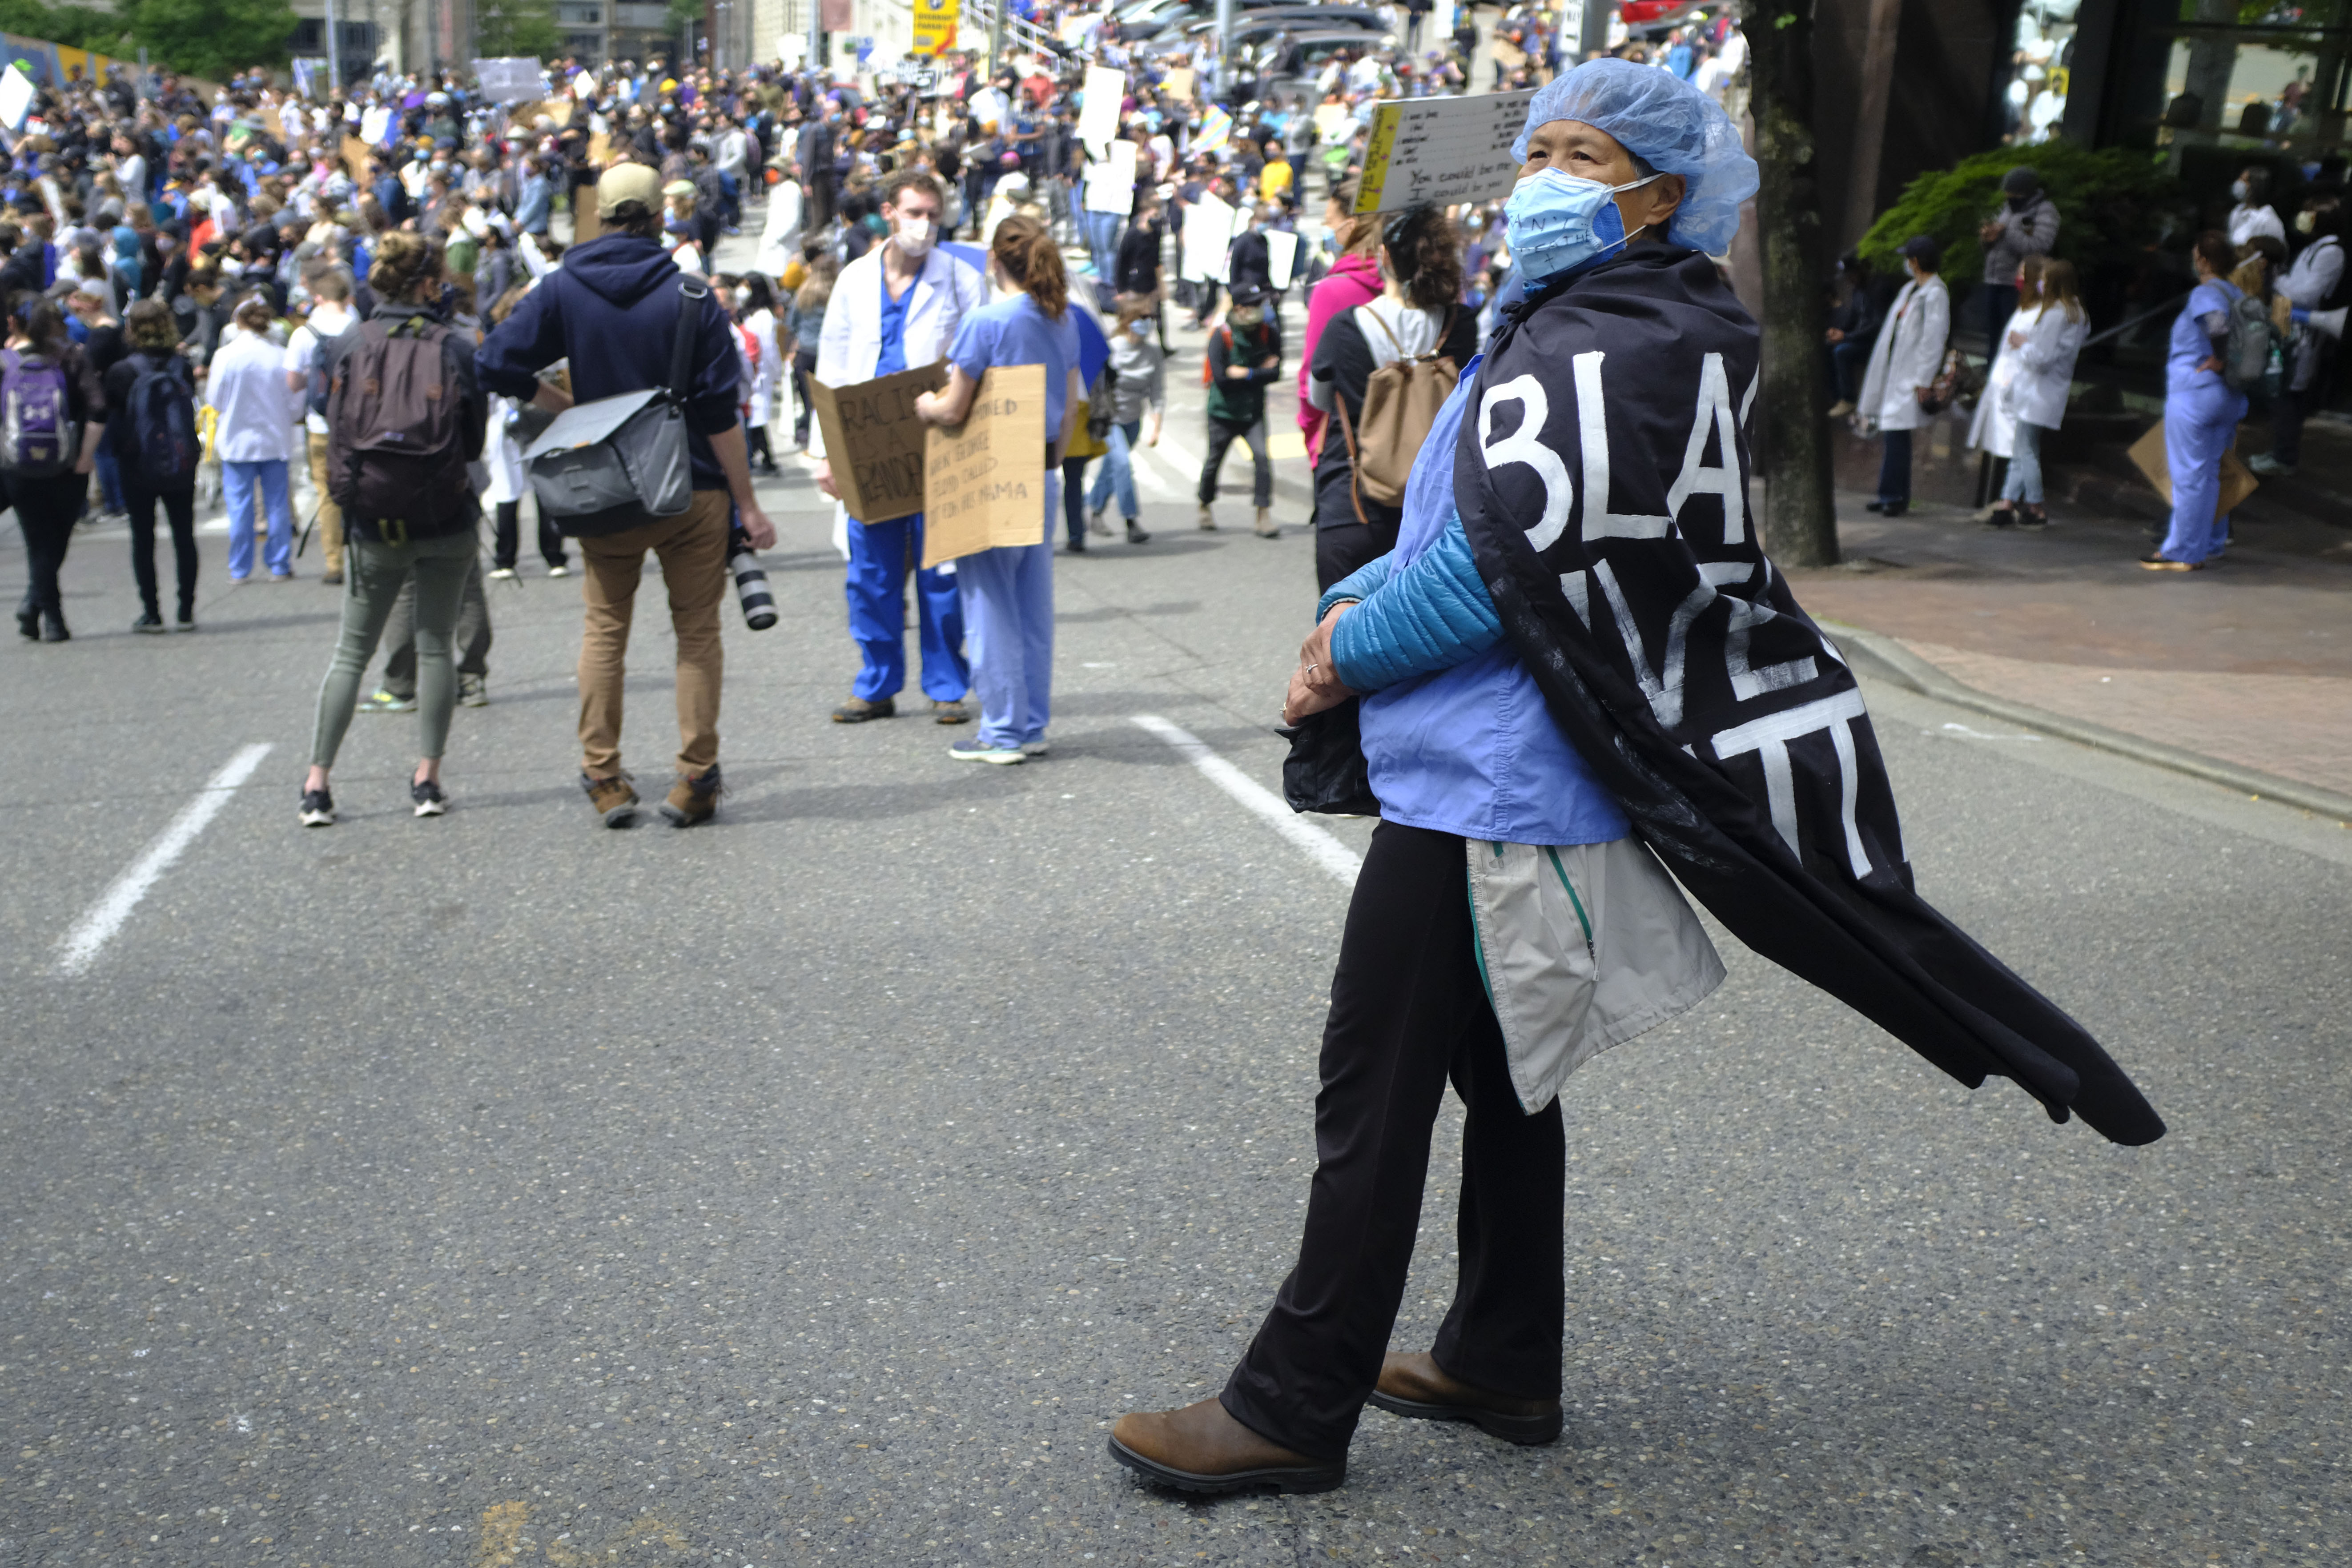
2199,424
1116,475
237,483
1894,468
1008,604
880,556
1101,230
2025,481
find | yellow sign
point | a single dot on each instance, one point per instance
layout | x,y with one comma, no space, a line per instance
935,26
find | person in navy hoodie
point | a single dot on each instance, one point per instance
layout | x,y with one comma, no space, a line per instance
611,310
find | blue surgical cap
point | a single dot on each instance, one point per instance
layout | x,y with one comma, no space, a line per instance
1668,124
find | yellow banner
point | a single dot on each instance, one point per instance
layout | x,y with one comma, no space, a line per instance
935,26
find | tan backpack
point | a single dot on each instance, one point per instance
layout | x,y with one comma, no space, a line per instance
1401,404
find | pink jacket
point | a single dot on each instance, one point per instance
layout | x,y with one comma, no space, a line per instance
1356,280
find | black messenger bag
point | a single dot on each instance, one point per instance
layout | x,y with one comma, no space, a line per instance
621,462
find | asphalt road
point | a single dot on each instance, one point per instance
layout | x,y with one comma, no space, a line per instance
820,1184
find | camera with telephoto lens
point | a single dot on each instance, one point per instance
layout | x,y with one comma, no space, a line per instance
750,581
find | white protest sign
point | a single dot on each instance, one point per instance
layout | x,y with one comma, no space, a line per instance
375,124
509,81
1110,185
15,96
1208,233
1442,149
1098,115
1282,257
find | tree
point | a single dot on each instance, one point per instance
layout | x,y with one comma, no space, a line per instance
214,39
517,30
1799,508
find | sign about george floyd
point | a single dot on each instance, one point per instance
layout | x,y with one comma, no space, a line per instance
984,481
874,441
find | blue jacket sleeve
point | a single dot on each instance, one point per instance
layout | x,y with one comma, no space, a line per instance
518,349
1431,615
1357,585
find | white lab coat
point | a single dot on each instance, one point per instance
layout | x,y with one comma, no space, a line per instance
1907,356
2029,383
779,237
767,371
944,293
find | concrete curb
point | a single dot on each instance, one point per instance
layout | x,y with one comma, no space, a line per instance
1887,660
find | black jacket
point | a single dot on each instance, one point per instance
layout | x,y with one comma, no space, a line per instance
1138,270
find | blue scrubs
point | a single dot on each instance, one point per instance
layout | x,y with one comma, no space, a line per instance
1008,592
2201,422
880,555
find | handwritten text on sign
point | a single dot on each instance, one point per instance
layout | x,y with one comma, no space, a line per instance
874,443
1442,149
984,481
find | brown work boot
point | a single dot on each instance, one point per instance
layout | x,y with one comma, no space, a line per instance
1201,1448
857,710
614,798
1415,1385
692,800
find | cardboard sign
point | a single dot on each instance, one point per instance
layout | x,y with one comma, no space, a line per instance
984,481
2238,481
1442,149
1282,257
356,154
511,79
1178,84
1110,183
874,441
1106,90
935,26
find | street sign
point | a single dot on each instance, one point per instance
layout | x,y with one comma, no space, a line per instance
935,26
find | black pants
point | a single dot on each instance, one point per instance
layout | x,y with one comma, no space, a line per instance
755,445
1341,551
1999,304
1408,1013
1223,434
180,514
507,536
1074,497
804,369
1894,468
45,510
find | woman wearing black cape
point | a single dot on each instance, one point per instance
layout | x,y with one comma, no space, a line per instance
1577,666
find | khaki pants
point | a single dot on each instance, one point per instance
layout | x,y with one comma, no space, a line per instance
692,550
330,515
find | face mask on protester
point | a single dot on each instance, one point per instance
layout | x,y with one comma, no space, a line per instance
2306,221
1246,315
1139,327
915,237
1558,221
2240,191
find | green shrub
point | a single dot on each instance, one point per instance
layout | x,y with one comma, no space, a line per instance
2111,203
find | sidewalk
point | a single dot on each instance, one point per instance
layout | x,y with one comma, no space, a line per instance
2249,663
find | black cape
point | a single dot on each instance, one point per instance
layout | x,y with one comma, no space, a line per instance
1603,479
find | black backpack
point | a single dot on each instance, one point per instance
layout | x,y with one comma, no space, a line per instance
162,416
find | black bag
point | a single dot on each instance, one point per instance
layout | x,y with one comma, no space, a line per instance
1324,771
621,462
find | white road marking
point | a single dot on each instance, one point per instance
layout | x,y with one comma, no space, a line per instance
93,930
1983,735
1320,846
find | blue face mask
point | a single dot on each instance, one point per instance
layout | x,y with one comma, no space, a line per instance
1557,222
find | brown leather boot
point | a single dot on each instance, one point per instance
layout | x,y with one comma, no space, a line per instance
1415,1385
1201,1448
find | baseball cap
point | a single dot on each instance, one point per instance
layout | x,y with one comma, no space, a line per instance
678,188
627,182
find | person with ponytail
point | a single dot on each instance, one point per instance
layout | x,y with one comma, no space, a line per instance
1008,592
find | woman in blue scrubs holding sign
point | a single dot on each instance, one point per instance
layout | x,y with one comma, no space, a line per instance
1008,592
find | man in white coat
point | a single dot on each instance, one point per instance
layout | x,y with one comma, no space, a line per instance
1903,366
897,307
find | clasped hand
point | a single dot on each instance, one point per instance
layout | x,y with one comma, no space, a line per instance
1315,684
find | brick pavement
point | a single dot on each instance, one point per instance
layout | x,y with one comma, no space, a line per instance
2249,661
